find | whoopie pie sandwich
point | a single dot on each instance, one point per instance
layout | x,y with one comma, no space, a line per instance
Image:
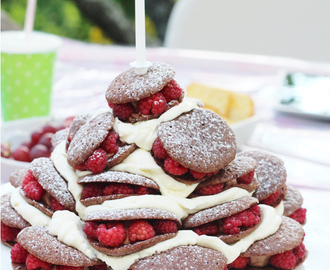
134,97
292,205
194,146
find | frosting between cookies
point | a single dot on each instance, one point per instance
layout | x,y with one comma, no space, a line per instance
66,224
141,162
144,133
67,172
280,208
31,214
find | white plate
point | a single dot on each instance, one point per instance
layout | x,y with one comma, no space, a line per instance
317,239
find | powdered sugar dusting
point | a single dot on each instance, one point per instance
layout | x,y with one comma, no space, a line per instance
46,174
199,140
88,138
9,215
130,87
270,171
119,177
288,236
219,212
130,214
37,241
60,136
292,201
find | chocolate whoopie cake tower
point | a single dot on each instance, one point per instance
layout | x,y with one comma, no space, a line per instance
153,182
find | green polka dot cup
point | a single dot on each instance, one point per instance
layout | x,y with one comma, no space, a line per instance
27,69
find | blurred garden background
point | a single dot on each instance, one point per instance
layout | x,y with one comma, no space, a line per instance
97,21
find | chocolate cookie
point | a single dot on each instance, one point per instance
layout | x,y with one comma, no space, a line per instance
51,181
123,152
88,138
135,184
271,174
16,177
59,137
238,173
130,87
11,218
200,141
38,242
289,236
216,216
183,258
126,217
292,201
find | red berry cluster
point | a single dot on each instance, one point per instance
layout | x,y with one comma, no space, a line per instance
210,190
299,215
239,221
99,189
210,228
246,178
272,198
287,260
114,233
239,263
154,104
31,187
174,167
8,233
97,161
39,145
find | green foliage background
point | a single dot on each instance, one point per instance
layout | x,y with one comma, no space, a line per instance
62,17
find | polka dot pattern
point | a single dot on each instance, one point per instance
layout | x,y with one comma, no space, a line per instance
26,83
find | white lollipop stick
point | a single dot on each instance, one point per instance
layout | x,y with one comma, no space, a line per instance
141,65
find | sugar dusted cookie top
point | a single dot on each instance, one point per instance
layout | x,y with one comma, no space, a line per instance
292,201
130,87
200,140
183,257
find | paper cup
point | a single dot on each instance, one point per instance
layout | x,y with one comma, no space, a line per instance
27,69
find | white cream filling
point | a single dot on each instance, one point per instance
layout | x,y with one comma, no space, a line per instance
141,162
68,228
144,133
280,208
31,214
65,227
67,172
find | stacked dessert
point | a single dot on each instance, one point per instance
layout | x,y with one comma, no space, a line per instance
153,182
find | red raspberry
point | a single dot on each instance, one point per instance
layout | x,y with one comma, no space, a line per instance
197,175
82,166
99,267
210,228
113,234
64,267
299,251
56,206
171,91
285,260
255,210
174,167
165,226
239,263
212,173
97,161
210,190
231,225
299,215
159,150
110,144
272,198
123,111
248,218
92,190
8,233
155,104
225,268
117,188
18,254
33,263
246,178
90,229
28,177
34,190
140,230
141,190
